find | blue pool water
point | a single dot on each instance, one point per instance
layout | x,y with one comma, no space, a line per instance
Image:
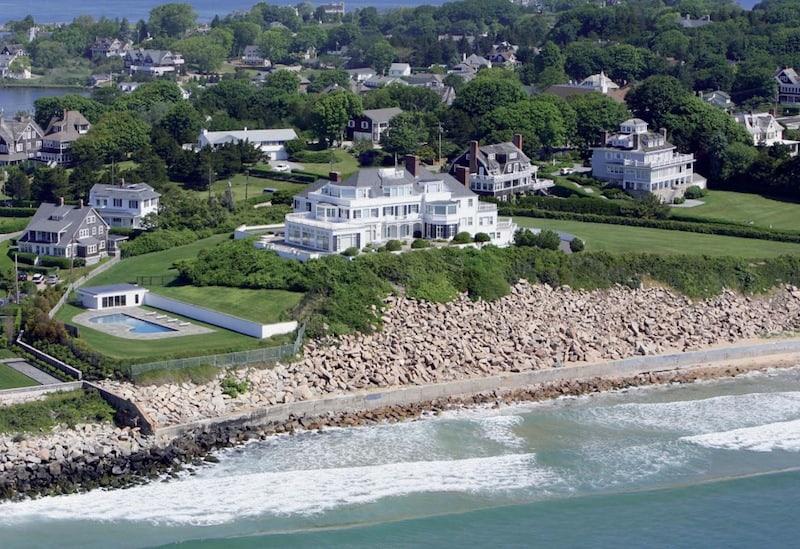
137,325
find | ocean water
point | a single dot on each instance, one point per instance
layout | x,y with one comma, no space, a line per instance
52,11
715,463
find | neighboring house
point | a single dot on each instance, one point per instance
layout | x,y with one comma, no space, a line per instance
13,49
252,57
59,136
109,47
687,22
376,205
503,54
718,99
398,70
595,83
155,62
371,124
124,205
334,8
361,74
7,70
99,80
379,81
128,87
20,140
501,170
425,80
765,130
66,231
643,162
788,86
272,143
469,66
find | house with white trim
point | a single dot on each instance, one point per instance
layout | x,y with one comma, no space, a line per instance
272,143
61,230
20,140
499,170
788,86
377,205
155,62
643,162
61,133
370,124
124,205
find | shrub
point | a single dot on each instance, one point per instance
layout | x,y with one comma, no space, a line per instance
394,246
482,237
679,200
462,238
155,241
420,243
295,146
694,192
352,251
233,387
576,245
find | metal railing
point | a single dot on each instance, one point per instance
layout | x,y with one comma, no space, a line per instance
227,360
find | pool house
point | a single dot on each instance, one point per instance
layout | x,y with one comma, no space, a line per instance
113,295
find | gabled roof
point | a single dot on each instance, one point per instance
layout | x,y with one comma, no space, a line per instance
12,131
382,115
67,127
63,220
254,136
787,76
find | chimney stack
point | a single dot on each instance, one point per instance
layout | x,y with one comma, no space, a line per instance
80,204
664,133
605,138
412,164
473,157
60,200
336,177
517,140
462,174
635,141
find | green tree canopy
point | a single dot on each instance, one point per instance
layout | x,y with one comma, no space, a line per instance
171,20
330,114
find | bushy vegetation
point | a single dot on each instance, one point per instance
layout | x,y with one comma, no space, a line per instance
233,387
576,245
420,243
694,192
154,241
546,239
461,238
69,408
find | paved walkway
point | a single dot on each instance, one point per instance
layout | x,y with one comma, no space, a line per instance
31,371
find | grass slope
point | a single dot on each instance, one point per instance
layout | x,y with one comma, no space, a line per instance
746,209
265,306
11,379
620,238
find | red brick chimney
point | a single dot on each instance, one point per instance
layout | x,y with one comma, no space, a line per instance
517,140
473,157
80,204
462,174
412,164
336,177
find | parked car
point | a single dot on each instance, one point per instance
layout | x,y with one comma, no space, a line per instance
269,190
281,167
52,279
22,276
567,171
38,278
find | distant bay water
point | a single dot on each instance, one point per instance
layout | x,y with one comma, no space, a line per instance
53,11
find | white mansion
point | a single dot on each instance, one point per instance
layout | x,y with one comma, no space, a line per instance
644,162
124,205
377,205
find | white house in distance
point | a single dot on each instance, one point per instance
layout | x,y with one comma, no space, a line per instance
376,205
66,231
124,205
644,162
500,170
765,130
399,69
272,143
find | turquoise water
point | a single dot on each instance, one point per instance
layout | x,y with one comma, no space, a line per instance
716,464
137,325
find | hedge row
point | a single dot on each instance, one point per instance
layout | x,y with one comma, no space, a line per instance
154,241
17,212
666,224
264,173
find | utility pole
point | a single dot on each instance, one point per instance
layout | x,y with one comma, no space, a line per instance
246,182
440,144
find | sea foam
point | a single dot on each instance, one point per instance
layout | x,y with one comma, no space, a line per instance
784,435
207,498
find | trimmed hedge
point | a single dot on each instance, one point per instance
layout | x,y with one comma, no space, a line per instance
154,241
264,173
17,212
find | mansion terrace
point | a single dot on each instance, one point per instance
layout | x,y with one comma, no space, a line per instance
376,205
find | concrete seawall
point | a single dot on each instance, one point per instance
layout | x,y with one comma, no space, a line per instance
424,393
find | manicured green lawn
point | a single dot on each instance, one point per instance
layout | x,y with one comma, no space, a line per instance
265,306
344,163
11,379
154,264
244,186
620,238
746,208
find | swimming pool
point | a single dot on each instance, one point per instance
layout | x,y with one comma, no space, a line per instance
137,325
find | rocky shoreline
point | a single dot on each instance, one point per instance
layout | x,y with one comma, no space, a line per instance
535,327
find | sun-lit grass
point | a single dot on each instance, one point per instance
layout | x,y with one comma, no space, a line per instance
748,209
344,163
265,306
620,238
11,379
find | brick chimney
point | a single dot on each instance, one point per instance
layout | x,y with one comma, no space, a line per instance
473,157
462,174
336,177
412,164
80,204
517,140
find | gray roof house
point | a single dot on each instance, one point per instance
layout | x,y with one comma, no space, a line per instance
20,140
61,230
61,133
500,170
376,205
124,205
371,124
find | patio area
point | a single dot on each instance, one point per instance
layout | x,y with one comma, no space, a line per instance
138,323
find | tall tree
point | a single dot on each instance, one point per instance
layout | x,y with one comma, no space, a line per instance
171,20
331,113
